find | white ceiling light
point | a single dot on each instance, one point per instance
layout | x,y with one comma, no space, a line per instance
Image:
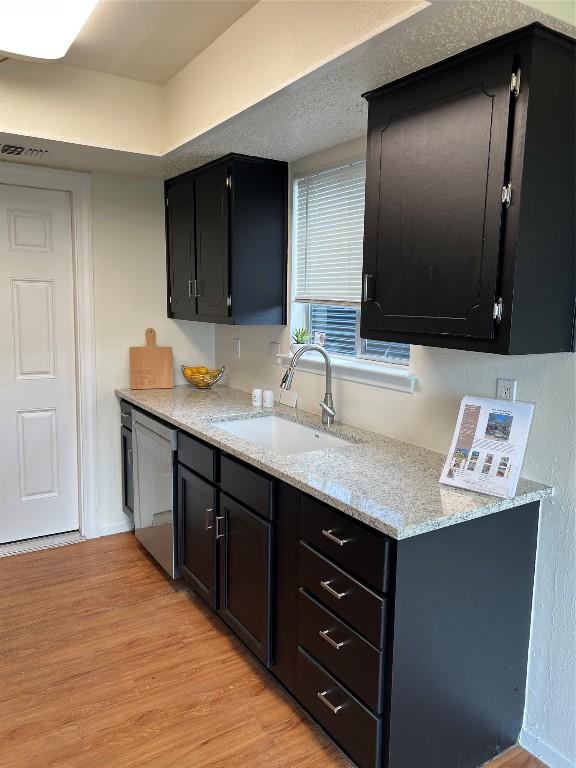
41,29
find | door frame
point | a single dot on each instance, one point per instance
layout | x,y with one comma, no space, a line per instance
79,188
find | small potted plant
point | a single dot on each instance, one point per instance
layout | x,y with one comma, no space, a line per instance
300,336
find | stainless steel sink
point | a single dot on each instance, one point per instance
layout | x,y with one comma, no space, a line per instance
280,435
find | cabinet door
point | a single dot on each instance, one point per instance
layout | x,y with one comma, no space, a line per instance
197,513
181,245
127,472
245,546
435,172
212,238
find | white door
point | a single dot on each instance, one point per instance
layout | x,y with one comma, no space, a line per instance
38,440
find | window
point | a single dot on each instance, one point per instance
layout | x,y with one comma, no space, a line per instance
327,248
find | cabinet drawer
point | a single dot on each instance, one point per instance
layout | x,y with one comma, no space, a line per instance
247,485
197,456
365,554
341,651
363,609
348,722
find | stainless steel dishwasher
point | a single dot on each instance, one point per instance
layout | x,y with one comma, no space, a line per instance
154,446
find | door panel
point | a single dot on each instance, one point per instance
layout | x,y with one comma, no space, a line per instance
182,269
212,236
245,546
33,323
436,169
38,450
197,511
37,453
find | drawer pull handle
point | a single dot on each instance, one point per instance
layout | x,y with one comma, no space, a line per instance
207,518
324,700
335,539
218,519
325,636
328,588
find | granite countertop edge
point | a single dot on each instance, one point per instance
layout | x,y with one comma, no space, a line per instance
203,428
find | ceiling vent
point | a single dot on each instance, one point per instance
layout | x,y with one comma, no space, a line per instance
15,149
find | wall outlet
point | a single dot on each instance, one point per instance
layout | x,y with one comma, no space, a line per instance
506,389
236,349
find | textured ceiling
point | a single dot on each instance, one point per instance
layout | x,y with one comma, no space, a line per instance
325,108
151,40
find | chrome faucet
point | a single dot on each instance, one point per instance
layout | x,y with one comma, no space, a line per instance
327,405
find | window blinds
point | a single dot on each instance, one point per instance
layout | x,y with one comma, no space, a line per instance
328,232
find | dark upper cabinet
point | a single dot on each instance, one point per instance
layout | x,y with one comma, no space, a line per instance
245,541
197,516
212,238
469,223
226,242
181,248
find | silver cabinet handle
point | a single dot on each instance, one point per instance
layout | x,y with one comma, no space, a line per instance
130,457
193,291
324,700
218,519
325,636
190,293
366,278
207,512
335,539
328,588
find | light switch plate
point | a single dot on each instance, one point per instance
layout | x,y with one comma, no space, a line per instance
506,389
236,349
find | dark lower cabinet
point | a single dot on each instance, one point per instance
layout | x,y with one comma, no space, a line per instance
408,653
347,720
245,545
285,584
197,510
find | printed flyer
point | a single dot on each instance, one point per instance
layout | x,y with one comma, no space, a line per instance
488,446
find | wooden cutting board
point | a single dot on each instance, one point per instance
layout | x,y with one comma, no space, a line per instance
151,367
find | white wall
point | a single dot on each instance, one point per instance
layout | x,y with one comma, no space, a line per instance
64,103
130,296
288,39
427,418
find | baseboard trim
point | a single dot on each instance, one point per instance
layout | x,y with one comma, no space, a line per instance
110,530
42,542
544,751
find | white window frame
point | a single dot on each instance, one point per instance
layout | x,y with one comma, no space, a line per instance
361,368
361,354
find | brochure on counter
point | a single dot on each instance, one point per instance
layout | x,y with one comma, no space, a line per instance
488,446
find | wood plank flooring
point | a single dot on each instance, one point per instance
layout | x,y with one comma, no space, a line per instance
106,664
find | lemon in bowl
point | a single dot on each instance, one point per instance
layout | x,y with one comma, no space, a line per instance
202,377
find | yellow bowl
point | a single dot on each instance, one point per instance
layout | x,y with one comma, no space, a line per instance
202,380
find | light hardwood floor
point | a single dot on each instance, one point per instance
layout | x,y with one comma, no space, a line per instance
106,664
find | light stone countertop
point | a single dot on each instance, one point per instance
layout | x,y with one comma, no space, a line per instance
389,485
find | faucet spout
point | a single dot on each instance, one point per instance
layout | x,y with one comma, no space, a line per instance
327,405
